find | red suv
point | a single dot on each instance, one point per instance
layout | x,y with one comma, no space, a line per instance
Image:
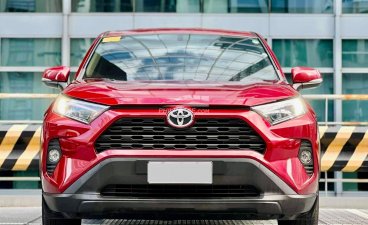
180,123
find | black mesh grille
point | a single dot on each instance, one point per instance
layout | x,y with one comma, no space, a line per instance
154,133
179,191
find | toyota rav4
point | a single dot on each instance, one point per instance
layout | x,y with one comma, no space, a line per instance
180,123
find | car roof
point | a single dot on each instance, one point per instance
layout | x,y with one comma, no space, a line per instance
180,31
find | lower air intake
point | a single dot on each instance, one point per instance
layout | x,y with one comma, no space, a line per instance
179,191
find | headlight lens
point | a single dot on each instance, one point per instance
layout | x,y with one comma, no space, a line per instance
84,112
281,111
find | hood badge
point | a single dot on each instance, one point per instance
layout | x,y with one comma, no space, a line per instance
180,117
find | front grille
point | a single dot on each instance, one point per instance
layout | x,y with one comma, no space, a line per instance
205,134
179,191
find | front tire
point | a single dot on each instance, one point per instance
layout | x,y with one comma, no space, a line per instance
309,218
53,218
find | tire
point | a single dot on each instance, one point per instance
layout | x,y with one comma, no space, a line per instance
53,218
309,218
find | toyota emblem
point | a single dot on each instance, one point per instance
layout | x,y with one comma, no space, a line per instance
180,117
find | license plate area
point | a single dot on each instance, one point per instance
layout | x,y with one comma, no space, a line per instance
161,172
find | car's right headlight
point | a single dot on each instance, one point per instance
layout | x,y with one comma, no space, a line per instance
281,111
81,111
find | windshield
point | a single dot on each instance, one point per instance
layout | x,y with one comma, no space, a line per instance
181,57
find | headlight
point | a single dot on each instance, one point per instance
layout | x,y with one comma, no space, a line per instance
84,112
281,111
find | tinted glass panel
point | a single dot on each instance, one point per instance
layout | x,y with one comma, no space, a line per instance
102,5
23,109
30,52
235,6
312,53
179,6
30,5
181,57
355,110
355,53
354,6
78,48
302,6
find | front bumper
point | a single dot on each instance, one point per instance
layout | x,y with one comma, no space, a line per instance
77,142
276,199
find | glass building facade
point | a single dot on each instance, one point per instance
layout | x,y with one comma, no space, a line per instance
25,54
304,52
327,34
21,6
206,6
29,51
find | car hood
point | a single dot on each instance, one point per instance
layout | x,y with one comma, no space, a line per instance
110,92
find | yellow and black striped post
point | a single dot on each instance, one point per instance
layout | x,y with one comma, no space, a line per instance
19,147
343,148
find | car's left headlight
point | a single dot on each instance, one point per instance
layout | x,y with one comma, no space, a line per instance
281,111
81,111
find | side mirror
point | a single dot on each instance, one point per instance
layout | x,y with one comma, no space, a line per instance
56,77
304,77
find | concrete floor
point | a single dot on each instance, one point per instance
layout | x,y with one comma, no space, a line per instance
32,216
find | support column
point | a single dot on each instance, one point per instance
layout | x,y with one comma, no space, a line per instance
337,60
65,38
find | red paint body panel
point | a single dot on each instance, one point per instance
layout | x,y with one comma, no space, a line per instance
304,74
79,156
156,93
77,139
58,74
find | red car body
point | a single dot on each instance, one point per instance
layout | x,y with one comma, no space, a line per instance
78,139
141,99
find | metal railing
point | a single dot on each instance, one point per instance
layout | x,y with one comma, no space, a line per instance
342,97
20,179
27,95
345,97
323,97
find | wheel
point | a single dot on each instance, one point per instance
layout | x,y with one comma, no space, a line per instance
53,218
309,218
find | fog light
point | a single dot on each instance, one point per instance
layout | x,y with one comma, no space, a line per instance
54,156
305,157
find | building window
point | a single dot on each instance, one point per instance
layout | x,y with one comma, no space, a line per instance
30,52
206,6
23,109
302,6
235,6
78,48
355,110
178,6
312,53
319,106
30,5
354,6
102,5
354,53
